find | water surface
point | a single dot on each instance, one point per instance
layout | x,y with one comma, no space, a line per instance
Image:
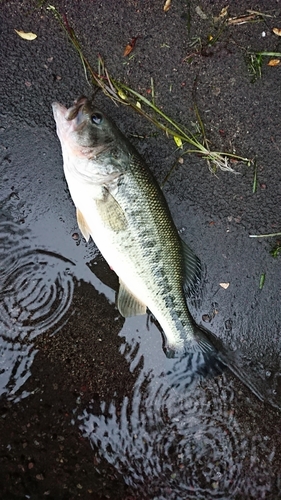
165,433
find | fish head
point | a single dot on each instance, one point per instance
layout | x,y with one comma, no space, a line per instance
84,131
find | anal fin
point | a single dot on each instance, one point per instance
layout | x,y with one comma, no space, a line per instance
128,304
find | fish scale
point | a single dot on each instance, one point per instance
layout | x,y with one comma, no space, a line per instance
162,264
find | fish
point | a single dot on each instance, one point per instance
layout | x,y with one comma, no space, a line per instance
122,207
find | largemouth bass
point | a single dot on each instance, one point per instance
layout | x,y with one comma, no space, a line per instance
121,206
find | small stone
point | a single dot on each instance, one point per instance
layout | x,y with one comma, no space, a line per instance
206,318
228,324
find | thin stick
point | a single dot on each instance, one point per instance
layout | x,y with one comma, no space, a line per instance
270,235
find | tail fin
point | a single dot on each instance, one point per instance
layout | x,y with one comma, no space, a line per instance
198,358
192,368
206,357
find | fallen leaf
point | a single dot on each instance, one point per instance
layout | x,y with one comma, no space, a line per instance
128,50
130,46
26,36
122,94
178,141
167,5
277,31
273,62
224,285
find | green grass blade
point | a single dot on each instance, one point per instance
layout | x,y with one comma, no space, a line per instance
121,93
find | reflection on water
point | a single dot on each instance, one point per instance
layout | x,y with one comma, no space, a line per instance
173,444
36,290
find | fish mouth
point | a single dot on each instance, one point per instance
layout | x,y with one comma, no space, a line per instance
76,111
72,112
72,119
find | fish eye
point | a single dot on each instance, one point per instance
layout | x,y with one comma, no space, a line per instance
96,118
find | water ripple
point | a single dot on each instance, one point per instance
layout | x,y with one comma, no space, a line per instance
36,289
173,443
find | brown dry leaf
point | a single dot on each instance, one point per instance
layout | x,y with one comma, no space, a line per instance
273,62
128,50
26,36
277,31
167,5
130,46
224,285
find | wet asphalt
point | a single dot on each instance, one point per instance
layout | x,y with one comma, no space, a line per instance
66,359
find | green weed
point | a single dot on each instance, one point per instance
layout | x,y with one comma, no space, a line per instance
123,94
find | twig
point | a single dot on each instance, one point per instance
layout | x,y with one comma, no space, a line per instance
270,235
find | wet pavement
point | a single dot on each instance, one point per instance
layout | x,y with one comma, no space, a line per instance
90,406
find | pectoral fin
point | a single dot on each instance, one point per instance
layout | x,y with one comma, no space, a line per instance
128,304
111,212
82,224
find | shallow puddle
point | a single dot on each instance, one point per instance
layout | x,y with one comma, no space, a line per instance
166,434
